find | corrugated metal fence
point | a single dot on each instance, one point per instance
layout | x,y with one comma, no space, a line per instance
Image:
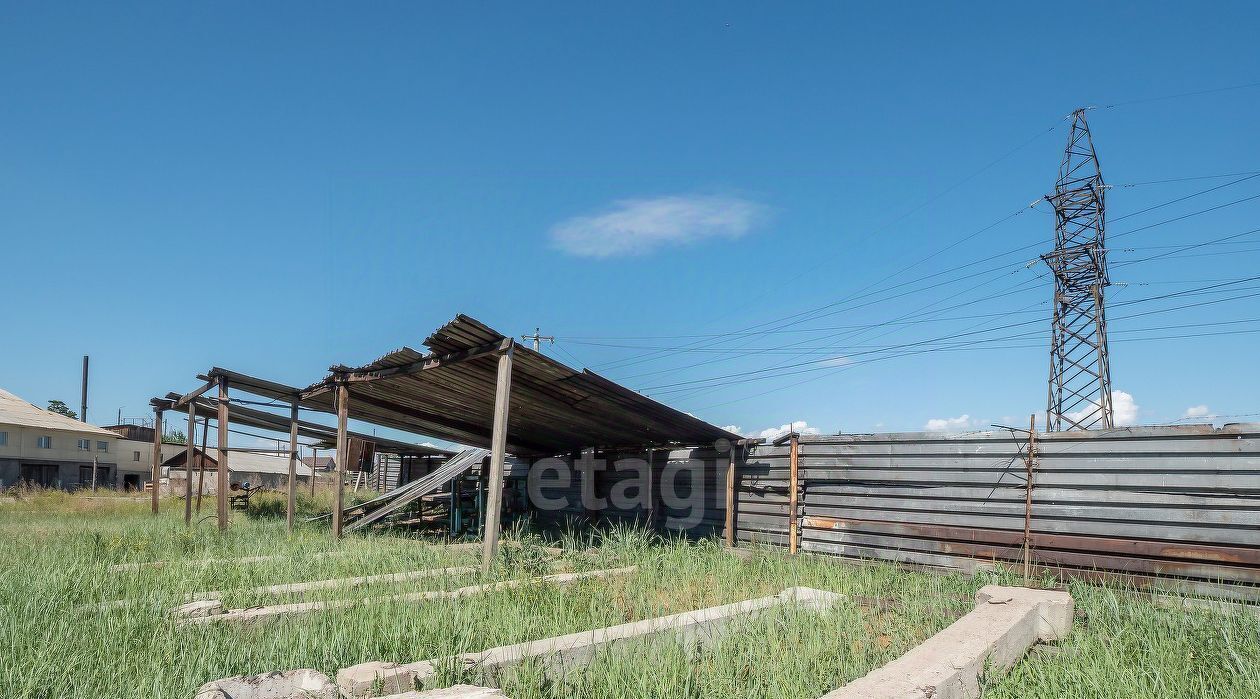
1150,502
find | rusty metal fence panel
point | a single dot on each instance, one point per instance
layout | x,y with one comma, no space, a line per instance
1151,503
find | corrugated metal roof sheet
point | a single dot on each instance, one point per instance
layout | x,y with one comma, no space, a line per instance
15,411
554,409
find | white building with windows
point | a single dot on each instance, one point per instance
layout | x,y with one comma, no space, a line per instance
135,454
41,448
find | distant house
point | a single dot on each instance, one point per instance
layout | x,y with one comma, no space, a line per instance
321,464
267,470
135,453
45,449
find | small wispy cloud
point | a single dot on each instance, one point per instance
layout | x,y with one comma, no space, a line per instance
1197,411
641,226
772,433
949,424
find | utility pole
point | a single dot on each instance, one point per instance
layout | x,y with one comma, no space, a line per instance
1079,391
83,394
536,338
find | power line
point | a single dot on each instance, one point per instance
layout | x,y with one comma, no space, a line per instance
954,336
1186,179
1016,288
795,319
1195,93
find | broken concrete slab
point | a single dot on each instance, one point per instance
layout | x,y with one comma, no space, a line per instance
207,603
264,613
698,625
199,608
1004,624
459,691
295,684
122,567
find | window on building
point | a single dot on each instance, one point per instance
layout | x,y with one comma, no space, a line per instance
85,445
102,446
85,475
4,438
44,442
43,475
135,456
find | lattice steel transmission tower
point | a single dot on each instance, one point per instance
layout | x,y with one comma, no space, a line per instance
1079,395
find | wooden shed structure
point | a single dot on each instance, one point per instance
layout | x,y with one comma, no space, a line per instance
473,386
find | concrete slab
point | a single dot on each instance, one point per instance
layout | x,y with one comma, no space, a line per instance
123,567
459,691
207,603
997,633
199,608
572,649
255,614
295,684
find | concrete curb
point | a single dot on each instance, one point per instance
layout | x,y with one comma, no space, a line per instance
254,614
207,604
704,624
997,633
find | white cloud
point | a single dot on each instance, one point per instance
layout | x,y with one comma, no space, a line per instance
733,428
772,433
640,226
949,424
1124,411
1198,411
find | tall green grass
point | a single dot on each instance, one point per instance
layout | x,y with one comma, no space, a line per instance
55,643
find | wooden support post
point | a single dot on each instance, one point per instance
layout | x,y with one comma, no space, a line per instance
730,499
201,460
343,455
314,465
156,474
1028,489
293,460
649,491
222,483
794,469
190,448
96,463
498,445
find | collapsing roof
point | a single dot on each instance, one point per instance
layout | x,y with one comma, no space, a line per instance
449,393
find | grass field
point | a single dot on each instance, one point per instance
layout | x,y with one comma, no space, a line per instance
55,641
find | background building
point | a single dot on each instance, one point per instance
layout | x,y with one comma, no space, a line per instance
268,470
135,454
49,450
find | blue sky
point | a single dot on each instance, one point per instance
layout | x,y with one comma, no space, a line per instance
279,187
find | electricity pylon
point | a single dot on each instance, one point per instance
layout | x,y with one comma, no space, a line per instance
1079,395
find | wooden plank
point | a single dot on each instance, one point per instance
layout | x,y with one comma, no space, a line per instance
293,459
192,396
201,460
730,499
222,482
190,448
157,457
793,490
498,445
343,455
